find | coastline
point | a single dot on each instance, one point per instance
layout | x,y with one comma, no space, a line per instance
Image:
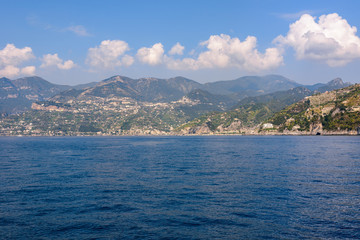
332,133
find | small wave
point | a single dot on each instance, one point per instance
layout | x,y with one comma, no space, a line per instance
245,215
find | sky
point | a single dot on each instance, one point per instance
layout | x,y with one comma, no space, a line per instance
75,42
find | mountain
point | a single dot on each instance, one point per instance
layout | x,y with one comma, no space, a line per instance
37,88
249,112
223,102
250,85
163,90
278,100
17,95
113,87
7,89
143,89
20,94
334,84
125,106
166,90
331,112
84,85
11,100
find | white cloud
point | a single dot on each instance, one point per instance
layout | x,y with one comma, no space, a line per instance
50,60
29,70
224,51
151,56
10,71
69,64
177,49
108,53
78,30
12,55
331,39
127,60
10,59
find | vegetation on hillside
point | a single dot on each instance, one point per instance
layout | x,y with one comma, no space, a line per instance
330,111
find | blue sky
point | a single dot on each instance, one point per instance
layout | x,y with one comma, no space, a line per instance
72,42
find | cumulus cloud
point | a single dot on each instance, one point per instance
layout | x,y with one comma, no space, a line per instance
10,71
330,39
108,53
224,51
12,55
50,60
153,55
29,70
78,30
10,59
127,60
177,49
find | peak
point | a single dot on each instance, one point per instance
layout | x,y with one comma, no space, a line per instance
117,78
274,76
32,78
179,77
4,79
336,81
113,79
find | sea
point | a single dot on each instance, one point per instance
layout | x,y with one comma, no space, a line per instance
180,187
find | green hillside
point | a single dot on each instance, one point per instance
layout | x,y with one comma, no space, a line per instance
338,110
248,113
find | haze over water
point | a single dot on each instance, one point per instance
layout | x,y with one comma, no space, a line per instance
231,187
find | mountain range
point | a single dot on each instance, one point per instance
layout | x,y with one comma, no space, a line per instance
331,112
125,106
18,95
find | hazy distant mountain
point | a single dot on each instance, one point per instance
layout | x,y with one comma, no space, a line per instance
17,95
165,90
334,84
84,85
10,98
115,86
7,88
277,100
37,88
337,83
143,89
251,85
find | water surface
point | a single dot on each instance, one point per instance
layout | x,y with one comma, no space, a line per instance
231,187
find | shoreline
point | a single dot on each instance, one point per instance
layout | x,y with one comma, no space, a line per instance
187,135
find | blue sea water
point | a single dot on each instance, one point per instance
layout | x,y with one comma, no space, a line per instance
218,187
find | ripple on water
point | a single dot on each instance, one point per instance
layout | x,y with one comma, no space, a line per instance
216,187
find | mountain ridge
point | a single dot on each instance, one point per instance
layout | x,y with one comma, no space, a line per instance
144,103
199,112
325,113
